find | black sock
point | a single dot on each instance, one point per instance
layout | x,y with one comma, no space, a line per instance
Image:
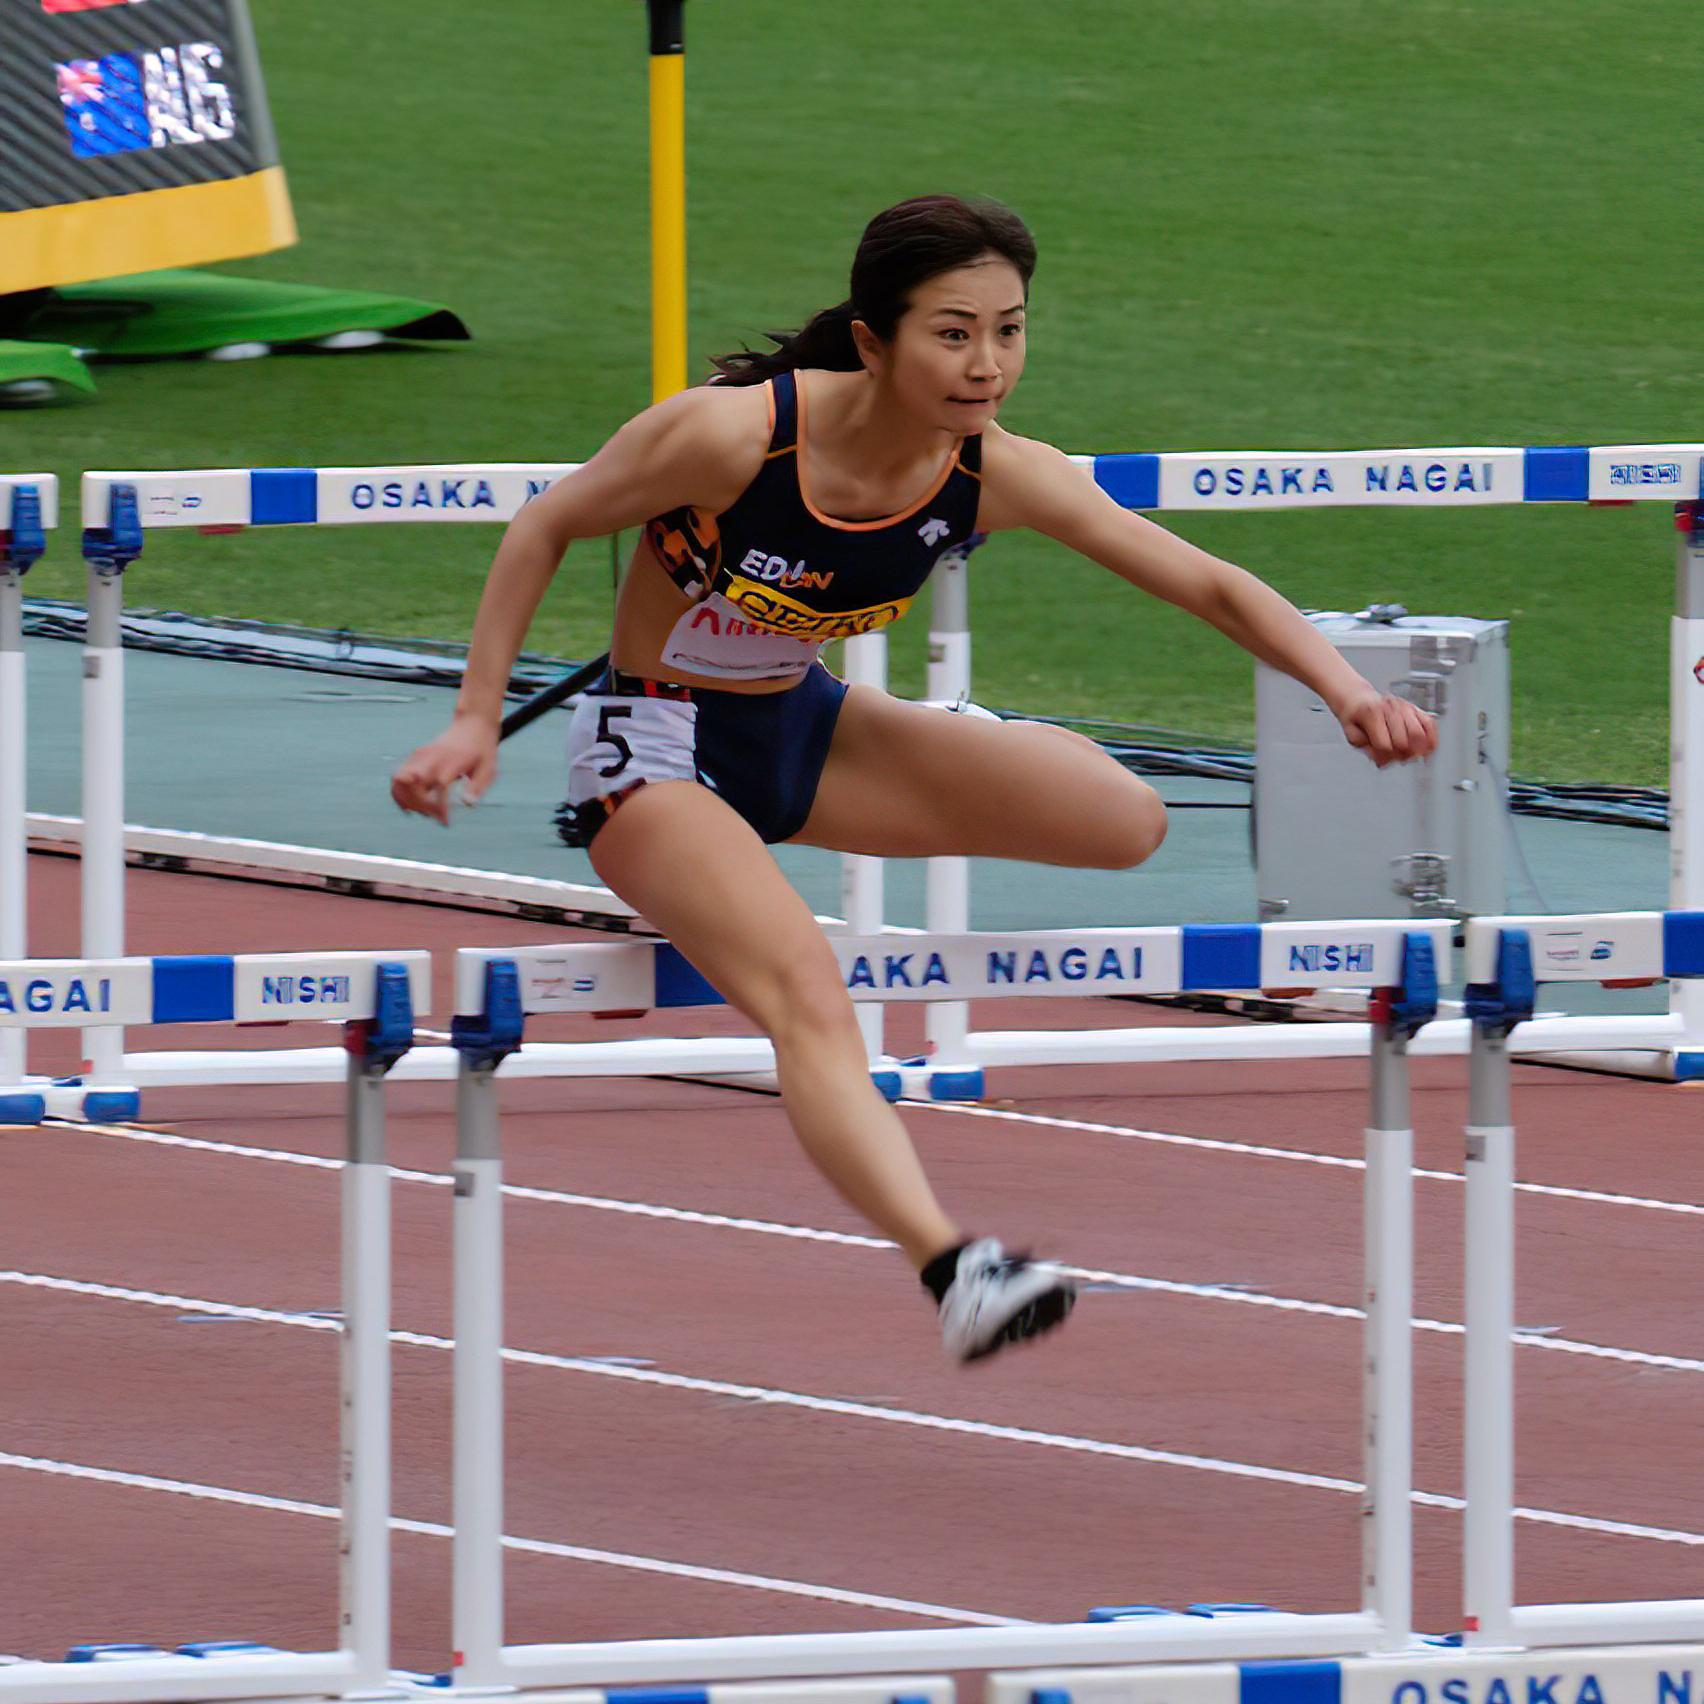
938,1275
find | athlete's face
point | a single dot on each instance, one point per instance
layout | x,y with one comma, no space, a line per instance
959,348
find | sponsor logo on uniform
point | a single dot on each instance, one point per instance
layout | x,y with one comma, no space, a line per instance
731,627
933,530
775,612
778,571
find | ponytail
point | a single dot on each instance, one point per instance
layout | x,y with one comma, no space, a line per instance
825,341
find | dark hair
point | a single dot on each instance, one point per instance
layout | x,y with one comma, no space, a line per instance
903,247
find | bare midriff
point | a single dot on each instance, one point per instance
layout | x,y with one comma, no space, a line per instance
646,610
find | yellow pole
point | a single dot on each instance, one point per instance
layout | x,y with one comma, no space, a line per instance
668,197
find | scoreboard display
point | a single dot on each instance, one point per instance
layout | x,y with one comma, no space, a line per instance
134,135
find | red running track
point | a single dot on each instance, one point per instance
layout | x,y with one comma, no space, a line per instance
776,1444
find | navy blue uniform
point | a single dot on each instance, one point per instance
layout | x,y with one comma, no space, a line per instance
771,579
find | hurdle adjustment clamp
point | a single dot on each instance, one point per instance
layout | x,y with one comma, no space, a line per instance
1403,1012
487,1040
109,550
379,1041
24,541
1494,1008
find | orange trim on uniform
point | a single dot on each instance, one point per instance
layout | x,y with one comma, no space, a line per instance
771,453
973,472
927,498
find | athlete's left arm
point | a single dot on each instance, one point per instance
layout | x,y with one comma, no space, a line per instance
1031,484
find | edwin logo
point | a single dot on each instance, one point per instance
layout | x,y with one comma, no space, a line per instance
933,530
778,571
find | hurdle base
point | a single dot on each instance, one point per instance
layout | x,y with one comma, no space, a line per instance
752,1057
280,1677
79,1103
1228,1042
1558,1625
659,1662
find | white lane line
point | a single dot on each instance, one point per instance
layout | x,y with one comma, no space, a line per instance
768,1396
534,1546
846,1239
1256,1150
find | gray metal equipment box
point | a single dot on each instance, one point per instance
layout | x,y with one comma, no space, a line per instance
1334,835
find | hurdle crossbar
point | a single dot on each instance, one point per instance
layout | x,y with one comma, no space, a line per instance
1507,959
375,996
498,989
29,510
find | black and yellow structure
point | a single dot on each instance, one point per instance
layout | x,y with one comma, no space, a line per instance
668,197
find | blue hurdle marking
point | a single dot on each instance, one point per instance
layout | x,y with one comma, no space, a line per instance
241,988
641,976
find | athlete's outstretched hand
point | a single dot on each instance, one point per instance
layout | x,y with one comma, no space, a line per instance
1388,729
466,751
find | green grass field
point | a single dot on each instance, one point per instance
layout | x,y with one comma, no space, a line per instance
1268,223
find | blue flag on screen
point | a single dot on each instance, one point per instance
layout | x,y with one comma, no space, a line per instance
105,105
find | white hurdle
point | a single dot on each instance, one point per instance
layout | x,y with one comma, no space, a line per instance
29,509
1452,478
376,996
497,989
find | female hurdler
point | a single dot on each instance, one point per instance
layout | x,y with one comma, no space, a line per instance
805,497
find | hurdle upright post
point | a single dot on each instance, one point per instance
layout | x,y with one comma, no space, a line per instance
1686,764
863,887
482,1043
108,549
947,880
374,1046
22,543
1388,1357
1494,1007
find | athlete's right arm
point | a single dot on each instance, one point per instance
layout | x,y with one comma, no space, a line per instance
688,449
